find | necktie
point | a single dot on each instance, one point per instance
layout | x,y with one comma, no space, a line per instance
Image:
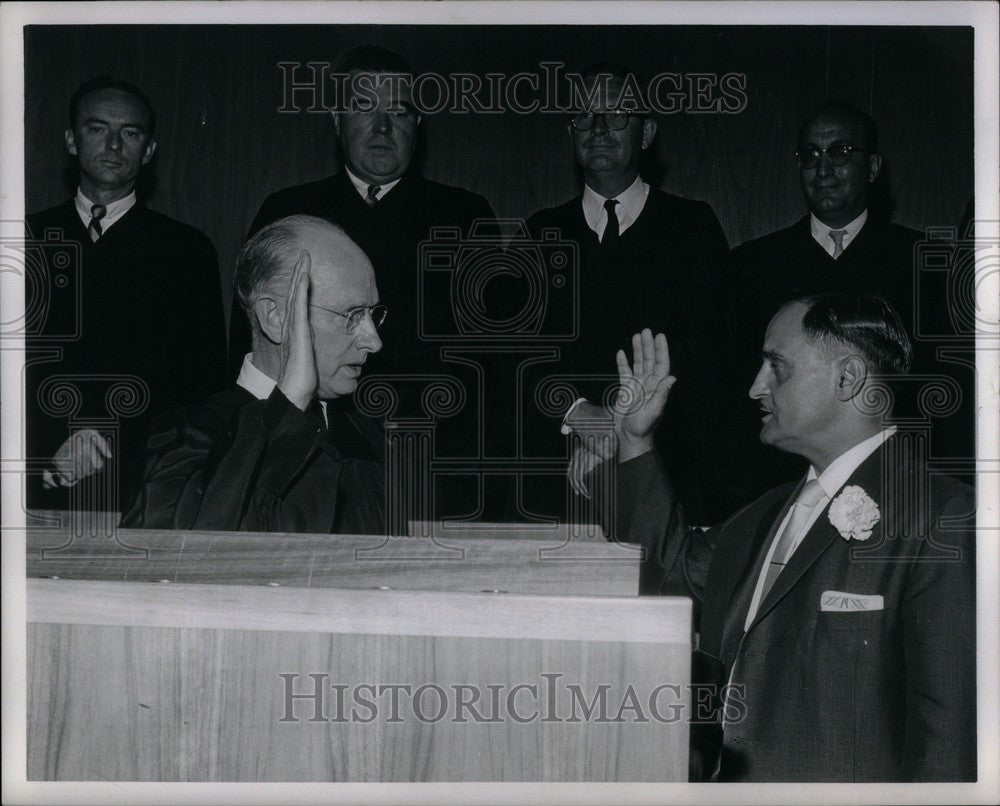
96,214
837,235
611,230
372,197
315,411
810,496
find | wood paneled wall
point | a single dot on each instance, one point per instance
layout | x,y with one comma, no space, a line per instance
224,146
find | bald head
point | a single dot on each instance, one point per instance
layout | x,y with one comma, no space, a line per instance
341,280
267,260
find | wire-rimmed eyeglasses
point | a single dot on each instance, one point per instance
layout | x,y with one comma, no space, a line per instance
355,316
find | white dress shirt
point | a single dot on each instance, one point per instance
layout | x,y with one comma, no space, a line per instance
362,187
113,211
260,385
831,480
821,232
630,204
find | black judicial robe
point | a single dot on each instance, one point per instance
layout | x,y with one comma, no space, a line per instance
145,301
395,234
235,463
883,259
664,273
390,233
880,260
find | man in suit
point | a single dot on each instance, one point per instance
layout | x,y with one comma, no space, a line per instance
645,258
148,299
384,204
279,452
837,614
844,243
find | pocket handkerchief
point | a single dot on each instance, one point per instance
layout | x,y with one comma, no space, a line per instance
840,602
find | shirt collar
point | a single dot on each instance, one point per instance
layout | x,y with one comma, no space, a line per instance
260,385
254,381
362,187
841,468
630,204
821,232
113,211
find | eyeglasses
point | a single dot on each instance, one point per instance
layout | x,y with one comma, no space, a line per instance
615,120
356,316
839,155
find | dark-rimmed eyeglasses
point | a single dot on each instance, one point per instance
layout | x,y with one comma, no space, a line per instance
615,120
355,316
839,155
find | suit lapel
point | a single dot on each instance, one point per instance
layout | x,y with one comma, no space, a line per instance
823,533
739,592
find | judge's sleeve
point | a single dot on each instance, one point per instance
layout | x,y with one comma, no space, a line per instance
201,475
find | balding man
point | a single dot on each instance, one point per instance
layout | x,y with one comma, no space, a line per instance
279,451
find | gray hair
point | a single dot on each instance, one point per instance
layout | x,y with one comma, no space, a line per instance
270,254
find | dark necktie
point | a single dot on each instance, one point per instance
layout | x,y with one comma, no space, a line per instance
97,212
372,197
611,230
315,412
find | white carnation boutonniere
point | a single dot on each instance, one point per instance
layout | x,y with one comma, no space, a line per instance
854,514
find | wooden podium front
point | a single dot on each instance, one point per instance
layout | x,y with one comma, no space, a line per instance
268,674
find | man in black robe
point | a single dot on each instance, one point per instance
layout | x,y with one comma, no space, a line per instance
134,324
385,205
280,451
845,243
646,258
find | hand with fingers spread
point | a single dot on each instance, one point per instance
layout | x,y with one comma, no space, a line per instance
642,396
298,379
81,455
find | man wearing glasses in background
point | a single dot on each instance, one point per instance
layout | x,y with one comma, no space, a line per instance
846,243
645,256
279,451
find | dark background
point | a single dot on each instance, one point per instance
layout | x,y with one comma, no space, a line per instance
223,146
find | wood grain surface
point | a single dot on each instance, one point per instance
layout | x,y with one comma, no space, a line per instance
140,682
511,561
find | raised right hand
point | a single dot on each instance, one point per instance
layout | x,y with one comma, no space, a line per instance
645,387
298,379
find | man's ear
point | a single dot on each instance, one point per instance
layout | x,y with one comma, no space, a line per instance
271,318
70,140
852,377
336,123
147,155
874,167
648,132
